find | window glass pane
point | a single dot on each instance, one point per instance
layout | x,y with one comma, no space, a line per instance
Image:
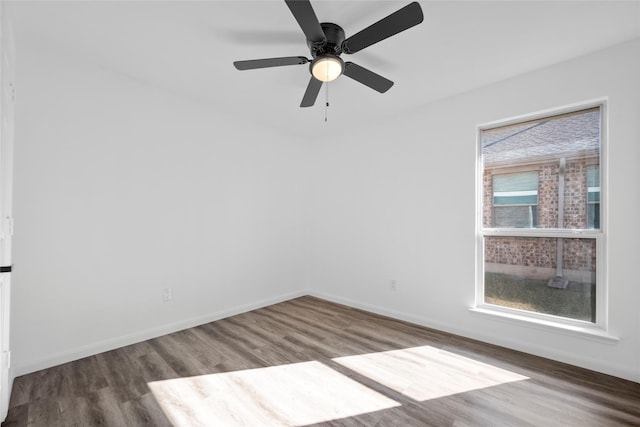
593,215
515,197
593,178
557,162
593,197
515,216
555,276
514,182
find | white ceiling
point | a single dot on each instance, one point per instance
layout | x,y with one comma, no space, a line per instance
188,48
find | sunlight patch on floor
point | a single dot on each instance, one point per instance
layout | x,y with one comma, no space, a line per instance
424,373
295,394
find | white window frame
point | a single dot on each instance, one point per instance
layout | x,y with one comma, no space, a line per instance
597,330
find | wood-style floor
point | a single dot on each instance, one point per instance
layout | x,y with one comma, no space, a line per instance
312,362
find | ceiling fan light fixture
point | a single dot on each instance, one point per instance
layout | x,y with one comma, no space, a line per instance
327,68
326,42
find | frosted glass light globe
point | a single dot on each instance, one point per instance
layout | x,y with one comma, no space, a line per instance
327,68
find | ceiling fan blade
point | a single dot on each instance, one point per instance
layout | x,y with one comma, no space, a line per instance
366,77
307,19
311,93
253,64
395,23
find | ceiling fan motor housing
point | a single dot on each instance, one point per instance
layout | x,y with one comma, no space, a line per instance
334,36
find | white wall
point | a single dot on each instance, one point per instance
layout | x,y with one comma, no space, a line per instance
397,201
122,190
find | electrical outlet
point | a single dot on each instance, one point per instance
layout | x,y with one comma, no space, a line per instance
393,285
167,294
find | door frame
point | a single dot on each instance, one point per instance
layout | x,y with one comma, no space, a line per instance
7,97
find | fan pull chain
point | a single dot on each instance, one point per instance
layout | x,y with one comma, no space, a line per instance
326,105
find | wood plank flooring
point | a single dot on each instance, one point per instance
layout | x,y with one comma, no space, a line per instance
312,362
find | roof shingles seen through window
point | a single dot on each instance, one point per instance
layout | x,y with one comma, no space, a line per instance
571,135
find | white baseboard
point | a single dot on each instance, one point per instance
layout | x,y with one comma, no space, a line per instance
581,360
111,344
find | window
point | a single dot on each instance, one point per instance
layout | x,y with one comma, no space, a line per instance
515,200
540,218
593,197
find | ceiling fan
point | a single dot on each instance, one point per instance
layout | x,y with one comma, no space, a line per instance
327,42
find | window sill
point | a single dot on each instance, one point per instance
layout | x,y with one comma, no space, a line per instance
591,333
